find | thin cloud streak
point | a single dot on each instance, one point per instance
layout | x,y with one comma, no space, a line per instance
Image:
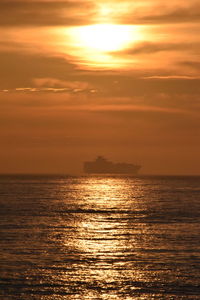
153,47
179,77
89,101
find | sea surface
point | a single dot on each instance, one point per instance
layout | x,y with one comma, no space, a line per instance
102,238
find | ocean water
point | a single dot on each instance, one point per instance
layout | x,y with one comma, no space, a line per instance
102,238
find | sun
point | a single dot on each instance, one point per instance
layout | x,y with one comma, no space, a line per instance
100,45
103,37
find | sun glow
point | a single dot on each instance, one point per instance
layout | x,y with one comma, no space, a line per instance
101,45
104,37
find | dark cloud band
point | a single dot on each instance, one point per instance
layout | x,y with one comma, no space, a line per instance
66,12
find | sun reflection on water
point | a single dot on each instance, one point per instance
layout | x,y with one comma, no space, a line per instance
104,243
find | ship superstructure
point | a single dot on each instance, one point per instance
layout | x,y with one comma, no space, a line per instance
103,166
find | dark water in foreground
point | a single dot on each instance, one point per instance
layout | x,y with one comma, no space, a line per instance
99,238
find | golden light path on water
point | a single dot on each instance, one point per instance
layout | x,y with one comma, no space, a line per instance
97,45
102,243
89,238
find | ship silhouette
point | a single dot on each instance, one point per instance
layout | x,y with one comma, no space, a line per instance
103,166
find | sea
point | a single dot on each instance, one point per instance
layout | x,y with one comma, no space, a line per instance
99,237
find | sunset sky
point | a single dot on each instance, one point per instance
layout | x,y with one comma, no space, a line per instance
85,78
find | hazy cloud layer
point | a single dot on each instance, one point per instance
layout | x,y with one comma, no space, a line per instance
44,13
51,134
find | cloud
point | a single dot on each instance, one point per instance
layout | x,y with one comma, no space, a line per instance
164,14
44,13
53,85
57,83
19,69
40,73
173,77
155,47
69,100
66,12
194,65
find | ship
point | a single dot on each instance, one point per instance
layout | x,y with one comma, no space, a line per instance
103,166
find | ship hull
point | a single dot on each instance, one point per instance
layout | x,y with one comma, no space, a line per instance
93,168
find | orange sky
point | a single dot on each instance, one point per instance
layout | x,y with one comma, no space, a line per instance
86,78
